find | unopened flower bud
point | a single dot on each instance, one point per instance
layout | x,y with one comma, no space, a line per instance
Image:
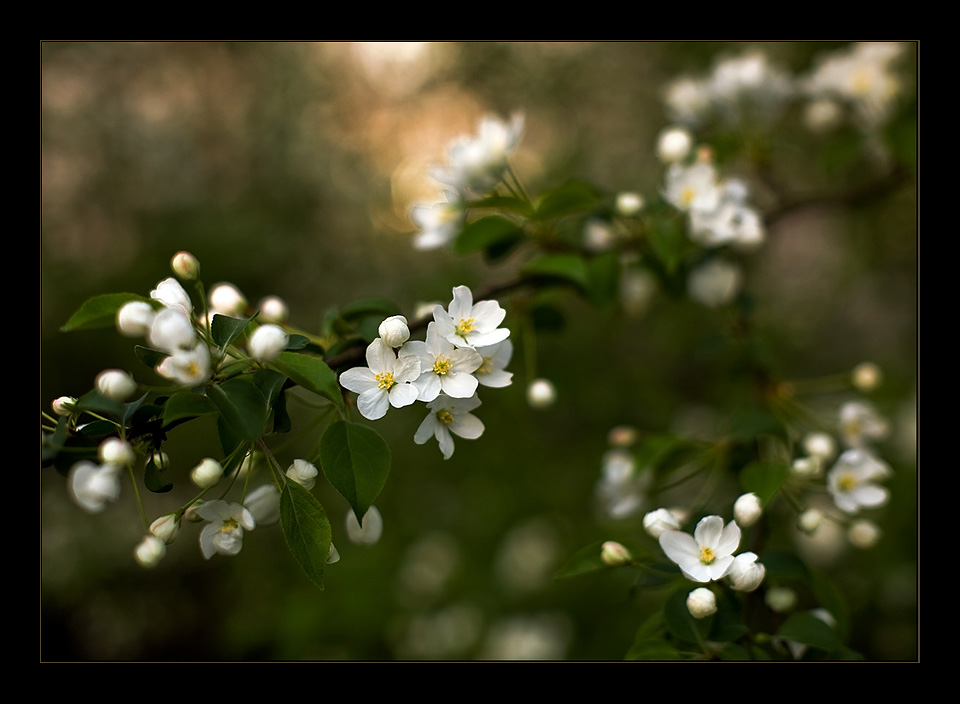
781,599
64,405
117,451
820,445
629,204
394,331
370,531
115,384
747,510
226,299
185,266
267,342
807,467
135,318
273,310
541,393
207,473
614,554
746,573
701,602
167,527
160,459
863,534
659,521
810,520
264,504
866,376
303,473
150,551
673,144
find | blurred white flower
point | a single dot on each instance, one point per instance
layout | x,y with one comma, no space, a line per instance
135,318
780,599
541,393
820,445
368,532
443,367
150,551
614,554
866,376
629,203
863,534
466,324
715,283
93,486
708,554
437,224
810,520
476,164
860,422
674,144
115,384
273,309
694,187
386,381
187,367
852,481
171,331
264,504
226,299
747,510
448,417
116,451
223,532
267,342
303,473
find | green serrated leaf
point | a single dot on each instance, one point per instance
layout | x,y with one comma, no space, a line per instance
242,406
149,356
570,198
311,373
99,311
225,329
783,564
811,631
487,232
562,266
356,462
306,529
185,405
764,479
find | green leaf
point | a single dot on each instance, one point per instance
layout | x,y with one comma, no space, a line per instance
508,203
311,373
297,342
811,631
149,356
764,478
225,329
784,565
487,232
153,480
363,307
573,197
570,267
356,462
99,311
185,405
583,561
306,529
679,621
242,406
668,242
603,273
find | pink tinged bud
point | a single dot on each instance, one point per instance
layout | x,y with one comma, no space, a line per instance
185,266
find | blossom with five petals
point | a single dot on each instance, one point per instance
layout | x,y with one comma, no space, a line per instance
386,381
225,525
466,324
449,415
707,554
852,481
443,367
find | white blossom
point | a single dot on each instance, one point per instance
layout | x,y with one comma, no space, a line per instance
172,331
264,504
863,534
494,359
475,164
694,187
674,144
93,486
541,393
223,532
150,551
394,331
171,294
466,324
659,521
386,381
437,224
273,309
368,532
715,283
708,554
746,573
116,451
860,423
853,481
629,203
444,368
303,473
448,417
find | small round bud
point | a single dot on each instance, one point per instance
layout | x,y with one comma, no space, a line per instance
806,467
781,599
394,331
660,521
226,299
701,602
115,384
303,473
370,531
674,144
207,473
541,393
167,527
746,573
185,266
863,534
64,405
134,319
810,520
150,551
160,459
866,376
629,204
614,554
267,342
820,445
597,236
117,451
273,310
747,510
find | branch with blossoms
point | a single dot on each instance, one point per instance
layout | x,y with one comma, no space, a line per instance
213,356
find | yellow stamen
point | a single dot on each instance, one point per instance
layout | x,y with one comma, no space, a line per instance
466,326
385,380
228,526
442,365
707,556
445,417
485,367
847,482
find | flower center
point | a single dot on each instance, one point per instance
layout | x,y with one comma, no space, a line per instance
229,525
445,417
466,326
385,380
442,365
707,556
847,481
687,195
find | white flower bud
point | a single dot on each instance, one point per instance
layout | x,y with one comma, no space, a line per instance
659,521
746,573
866,376
810,520
369,533
394,331
267,342
273,310
64,405
172,295
264,504
674,144
701,602
303,473
747,510
93,486
863,534
226,299
207,473
185,266
781,599
167,527
115,384
807,467
135,318
715,283
160,459
117,451
597,236
629,204
614,554
333,555
820,445
150,551
541,393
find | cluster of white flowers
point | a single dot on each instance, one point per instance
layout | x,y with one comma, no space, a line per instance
475,165
465,348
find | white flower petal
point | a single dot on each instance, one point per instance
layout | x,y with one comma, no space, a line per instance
458,384
358,380
467,425
373,404
403,395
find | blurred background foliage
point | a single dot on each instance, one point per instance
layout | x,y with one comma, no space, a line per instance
288,169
